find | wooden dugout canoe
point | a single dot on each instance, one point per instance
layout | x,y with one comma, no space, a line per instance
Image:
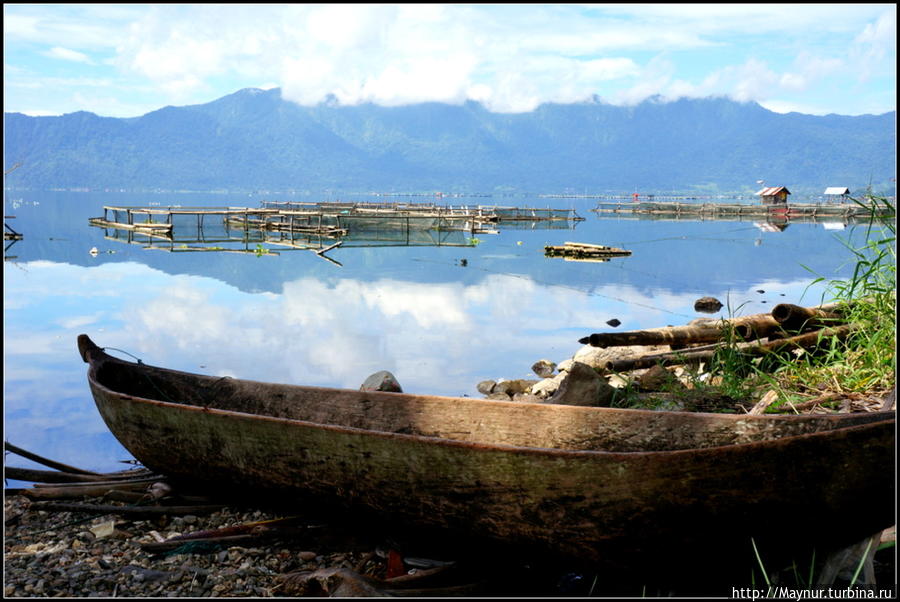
599,485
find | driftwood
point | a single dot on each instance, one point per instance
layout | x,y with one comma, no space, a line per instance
126,510
745,328
784,320
52,476
674,335
695,356
76,490
46,462
245,533
120,483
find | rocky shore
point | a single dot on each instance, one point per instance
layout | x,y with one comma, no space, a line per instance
74,554
584,379
66,554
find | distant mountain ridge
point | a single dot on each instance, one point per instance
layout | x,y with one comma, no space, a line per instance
253,139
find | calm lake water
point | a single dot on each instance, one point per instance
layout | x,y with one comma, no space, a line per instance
441,318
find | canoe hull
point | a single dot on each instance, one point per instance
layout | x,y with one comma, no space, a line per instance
835,486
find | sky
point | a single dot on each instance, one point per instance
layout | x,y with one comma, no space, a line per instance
125,60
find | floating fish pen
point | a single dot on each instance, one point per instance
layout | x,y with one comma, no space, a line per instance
315,226
239,230
579,251
732,210
482,213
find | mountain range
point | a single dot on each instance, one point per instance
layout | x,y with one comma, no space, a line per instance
256,140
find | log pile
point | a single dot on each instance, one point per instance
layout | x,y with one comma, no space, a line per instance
786,328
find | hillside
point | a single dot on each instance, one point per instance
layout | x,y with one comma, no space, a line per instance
253,139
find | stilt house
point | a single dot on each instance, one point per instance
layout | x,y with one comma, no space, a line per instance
774,195
836,194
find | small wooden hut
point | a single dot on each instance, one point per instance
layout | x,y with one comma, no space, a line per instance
774,195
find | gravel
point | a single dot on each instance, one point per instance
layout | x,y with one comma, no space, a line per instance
56,554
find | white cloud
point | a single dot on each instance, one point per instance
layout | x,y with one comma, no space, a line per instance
65,54
509,57
876,42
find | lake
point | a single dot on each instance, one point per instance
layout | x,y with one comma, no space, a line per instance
440,318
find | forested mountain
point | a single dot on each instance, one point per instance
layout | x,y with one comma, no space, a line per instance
253,139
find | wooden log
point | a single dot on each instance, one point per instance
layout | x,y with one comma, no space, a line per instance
46,462
120,483
671,358
673,335
125,510
230,535
160,547
785,319
46,476
76,491
805,341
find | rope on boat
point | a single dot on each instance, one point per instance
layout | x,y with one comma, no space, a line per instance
155,386
147,376
122,351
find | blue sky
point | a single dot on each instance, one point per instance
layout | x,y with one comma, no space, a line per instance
127,60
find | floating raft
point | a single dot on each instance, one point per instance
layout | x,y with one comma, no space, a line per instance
579,251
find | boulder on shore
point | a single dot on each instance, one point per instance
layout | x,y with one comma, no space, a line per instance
582,386
382,381
543,368
598,357
486,387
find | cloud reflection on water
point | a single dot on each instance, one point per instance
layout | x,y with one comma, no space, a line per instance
439,338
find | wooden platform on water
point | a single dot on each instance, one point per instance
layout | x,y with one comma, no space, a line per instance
579,251
331,219
725,210
477,213
314,226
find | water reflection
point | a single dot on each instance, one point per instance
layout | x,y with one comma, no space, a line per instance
439,324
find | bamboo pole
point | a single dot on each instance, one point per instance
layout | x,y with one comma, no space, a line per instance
794,317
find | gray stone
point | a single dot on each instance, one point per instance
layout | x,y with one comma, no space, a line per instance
511,387
598,357
527,397
547,387
381,381
582,386
486,387
544,368
656,378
